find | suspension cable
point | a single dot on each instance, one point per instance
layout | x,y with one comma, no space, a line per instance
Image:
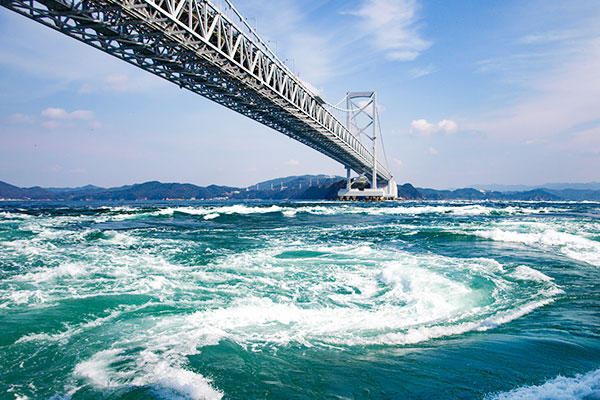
382,144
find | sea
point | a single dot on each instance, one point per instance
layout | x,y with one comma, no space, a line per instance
299,300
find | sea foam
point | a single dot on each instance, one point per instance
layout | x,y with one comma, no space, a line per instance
579,387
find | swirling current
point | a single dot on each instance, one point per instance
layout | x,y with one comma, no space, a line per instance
282,300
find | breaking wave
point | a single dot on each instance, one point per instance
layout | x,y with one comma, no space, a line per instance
579,387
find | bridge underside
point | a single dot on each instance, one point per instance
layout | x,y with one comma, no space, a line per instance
191,44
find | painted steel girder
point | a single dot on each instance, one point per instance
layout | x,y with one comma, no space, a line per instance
150,35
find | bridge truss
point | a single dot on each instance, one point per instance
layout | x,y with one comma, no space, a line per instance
213,52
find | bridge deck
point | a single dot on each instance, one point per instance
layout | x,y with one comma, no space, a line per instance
199,48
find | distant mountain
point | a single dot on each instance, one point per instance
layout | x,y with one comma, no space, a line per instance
474,194
409,192
292,187
553,186
75,189
295,181
155,191
460,194
305,187
577,195
8,191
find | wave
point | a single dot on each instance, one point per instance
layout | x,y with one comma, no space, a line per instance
324,300
113,368
572,245
331,209
120,213
579,387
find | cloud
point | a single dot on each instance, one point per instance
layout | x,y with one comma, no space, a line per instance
561,101
52,124
120,83
394,26
61,114
433,151
60,118
548,37
292,162
398,162
312,88
422,127
420,72
293,33
136,82
21,119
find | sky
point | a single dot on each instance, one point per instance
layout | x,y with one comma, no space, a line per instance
470,92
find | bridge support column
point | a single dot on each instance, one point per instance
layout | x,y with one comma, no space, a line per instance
375,122
348,180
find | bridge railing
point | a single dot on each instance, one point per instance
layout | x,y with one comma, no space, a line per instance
244,47
195,45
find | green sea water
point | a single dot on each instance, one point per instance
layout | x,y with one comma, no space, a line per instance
296,300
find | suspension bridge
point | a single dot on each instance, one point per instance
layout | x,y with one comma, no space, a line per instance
211,50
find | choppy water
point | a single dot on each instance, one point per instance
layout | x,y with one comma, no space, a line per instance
300,300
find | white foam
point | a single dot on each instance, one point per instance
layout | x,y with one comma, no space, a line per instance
119,238
396,302
6,215
454,209
578,387
27,296
323,208
146,368
285,292
290,213
572,245
182,381
64,336
233,209
525,273
65,270
96,369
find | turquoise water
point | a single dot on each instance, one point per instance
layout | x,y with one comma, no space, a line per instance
289,300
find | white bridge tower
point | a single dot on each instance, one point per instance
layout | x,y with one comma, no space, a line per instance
362,120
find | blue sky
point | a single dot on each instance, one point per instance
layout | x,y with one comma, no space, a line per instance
471,92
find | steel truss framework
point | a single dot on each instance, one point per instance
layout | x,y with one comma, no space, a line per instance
196,46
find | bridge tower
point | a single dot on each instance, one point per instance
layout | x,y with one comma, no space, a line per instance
214,52
362,120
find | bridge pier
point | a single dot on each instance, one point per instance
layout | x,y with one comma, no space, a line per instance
362,120
387,192
348,180
214,52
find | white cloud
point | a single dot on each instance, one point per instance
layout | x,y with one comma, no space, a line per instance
398,162
433,151
548,37
60,114
292,162
52,124
21,119
562,102
55,113
394,26
125,83
290,31
420,72
136,82
60,118
312,88
422,127
447,126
